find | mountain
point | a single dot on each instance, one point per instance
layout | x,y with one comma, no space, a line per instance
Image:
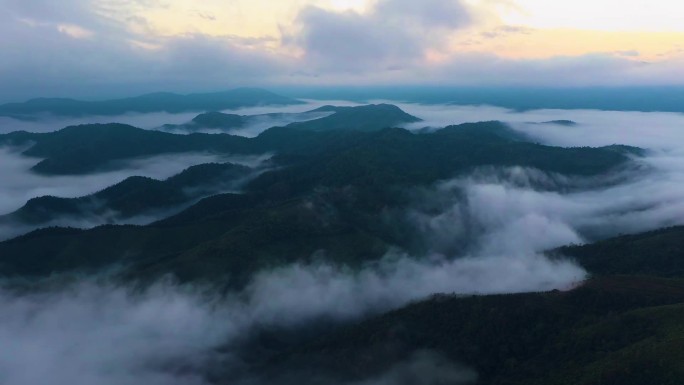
219,120
613,330
564,123
329,196
135,196
155,102
372,117
659,252
88,148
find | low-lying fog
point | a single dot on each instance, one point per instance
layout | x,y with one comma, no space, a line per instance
20,185
87,332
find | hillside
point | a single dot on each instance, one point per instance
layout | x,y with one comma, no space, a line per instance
613,330
88,148
368,118
658,252
329,197
135,196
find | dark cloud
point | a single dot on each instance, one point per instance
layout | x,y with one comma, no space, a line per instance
71,49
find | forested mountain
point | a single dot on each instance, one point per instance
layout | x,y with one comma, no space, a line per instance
612,330
342,189
135,196
328,196
363,118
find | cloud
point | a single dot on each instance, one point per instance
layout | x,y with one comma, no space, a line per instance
505,30
95,334
22,185
510,208
89,331
74,49
104,48
393,34
441,15
75,31
424,368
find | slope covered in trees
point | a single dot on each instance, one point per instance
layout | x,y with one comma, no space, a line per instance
327,196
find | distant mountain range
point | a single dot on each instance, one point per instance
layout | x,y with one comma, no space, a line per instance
645,98
156,102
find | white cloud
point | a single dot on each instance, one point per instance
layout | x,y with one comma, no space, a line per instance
86,49
75,31
88,332
394,34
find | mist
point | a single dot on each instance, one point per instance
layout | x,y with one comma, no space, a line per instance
94,331
21,184
647,195
650,130
255,126
485,233
424,368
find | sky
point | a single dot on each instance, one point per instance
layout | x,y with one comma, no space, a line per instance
119,47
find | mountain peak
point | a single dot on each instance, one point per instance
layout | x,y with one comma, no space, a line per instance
371,117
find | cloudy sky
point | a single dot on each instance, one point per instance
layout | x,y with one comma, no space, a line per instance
108,47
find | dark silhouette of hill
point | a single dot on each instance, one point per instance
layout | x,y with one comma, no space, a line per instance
328,196
155,102
135,196
613,330
565,123
87,148
659,252
373,117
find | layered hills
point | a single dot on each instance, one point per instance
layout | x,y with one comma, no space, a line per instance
333,194
327,195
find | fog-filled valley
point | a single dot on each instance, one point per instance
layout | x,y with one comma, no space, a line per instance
342,243
341,192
